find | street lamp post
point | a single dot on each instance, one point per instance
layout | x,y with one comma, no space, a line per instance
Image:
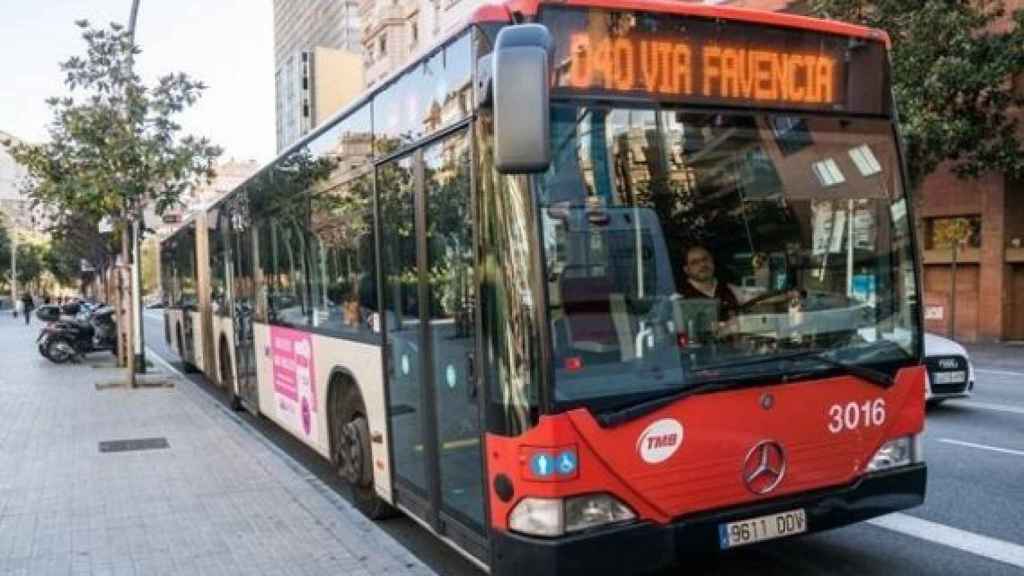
139,338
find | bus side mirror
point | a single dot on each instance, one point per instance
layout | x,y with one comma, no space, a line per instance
522,126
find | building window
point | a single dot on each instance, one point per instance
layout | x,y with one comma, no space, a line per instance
942,233
382,46
791,134
414,33
828,173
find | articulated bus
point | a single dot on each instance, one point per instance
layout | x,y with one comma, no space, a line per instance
586,287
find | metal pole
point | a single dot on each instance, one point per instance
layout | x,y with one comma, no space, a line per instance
849,249
137,225
132,19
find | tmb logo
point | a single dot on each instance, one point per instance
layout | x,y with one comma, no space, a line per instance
660,440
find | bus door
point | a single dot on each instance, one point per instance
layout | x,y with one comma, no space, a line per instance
429,295
188,351
242,307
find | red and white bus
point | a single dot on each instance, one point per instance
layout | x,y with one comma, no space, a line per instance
587,286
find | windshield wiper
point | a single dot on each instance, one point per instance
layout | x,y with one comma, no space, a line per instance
870,374
877,377
612,419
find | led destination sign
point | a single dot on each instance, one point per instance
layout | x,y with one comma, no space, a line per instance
680,68
702,61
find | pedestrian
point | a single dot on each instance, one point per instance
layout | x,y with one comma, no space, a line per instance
27,305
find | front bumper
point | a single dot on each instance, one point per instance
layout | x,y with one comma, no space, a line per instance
643,547
943,392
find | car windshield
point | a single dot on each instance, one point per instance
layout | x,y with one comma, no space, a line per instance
683,247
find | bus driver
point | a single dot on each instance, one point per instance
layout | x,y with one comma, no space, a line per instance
701,282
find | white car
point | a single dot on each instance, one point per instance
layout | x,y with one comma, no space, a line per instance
950,372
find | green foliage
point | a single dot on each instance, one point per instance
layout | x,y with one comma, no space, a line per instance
5,252
30,262
114,141
952,63
61,262
78,236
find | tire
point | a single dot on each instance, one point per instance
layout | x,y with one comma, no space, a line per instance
934,403
350,446
59,350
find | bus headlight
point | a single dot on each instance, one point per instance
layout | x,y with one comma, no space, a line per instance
591,510
538,517
555,517
894,453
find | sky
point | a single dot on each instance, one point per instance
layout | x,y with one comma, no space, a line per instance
227,44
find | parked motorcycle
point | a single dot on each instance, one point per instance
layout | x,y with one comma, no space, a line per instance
76,331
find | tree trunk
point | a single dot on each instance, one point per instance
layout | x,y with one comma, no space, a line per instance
111,281
123,299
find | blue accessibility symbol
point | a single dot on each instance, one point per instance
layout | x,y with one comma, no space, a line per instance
542,465
567,463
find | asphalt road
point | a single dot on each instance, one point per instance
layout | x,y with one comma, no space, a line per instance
972,521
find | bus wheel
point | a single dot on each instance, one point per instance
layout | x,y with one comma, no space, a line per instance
352,454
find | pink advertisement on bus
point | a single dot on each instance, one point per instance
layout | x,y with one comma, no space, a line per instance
294,380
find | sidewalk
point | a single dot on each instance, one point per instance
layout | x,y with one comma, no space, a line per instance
220,499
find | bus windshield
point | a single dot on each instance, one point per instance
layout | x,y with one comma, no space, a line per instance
683,247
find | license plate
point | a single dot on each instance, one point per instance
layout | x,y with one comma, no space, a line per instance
762,528
950,377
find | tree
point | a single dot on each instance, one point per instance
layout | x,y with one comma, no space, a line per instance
61,262
30,263
5,253
953,62
114,143
76,238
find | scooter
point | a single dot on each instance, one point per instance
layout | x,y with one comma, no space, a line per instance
69,338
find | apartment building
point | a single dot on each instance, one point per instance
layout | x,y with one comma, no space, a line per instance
318,63
395,30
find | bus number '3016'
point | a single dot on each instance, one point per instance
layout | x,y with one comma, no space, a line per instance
852,415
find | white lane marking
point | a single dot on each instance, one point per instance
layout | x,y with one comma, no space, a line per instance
982,446
984,546
987,406
999,372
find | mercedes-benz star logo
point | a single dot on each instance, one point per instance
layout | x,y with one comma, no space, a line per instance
764,467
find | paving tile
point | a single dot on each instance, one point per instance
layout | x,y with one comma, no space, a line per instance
219,500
